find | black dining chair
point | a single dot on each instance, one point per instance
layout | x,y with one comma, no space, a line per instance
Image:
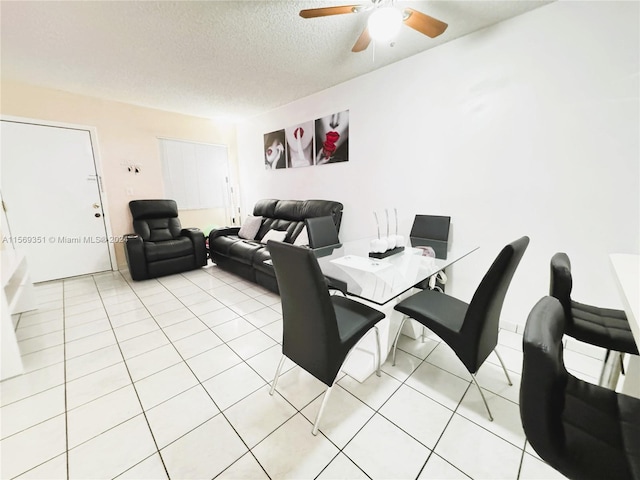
431,227
470,329
582,430
321,231
604,327
319,330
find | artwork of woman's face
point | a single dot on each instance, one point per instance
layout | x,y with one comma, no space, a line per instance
304,132
300,144
274,150
332,132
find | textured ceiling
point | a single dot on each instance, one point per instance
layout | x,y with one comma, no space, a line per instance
229,59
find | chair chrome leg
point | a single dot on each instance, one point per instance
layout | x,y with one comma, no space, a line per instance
275,379
322,405
424,329
504,369
378,347
395,342
483,399
328,391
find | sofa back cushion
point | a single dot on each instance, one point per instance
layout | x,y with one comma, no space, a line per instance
265,208
289,215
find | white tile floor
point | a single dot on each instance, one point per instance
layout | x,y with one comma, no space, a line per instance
168,378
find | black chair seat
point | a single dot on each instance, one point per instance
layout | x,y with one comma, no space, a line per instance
354,320
605,327
437,311
178,247
582,430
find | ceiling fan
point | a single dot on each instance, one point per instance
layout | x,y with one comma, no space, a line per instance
384,20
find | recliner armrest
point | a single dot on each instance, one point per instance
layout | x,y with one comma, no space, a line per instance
134,252
199,248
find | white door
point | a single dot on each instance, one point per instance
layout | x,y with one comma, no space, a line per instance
52,195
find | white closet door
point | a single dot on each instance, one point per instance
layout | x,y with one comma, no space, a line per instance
51,191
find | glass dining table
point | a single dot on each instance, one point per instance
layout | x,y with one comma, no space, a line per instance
349,267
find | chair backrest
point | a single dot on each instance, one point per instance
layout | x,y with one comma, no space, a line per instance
321,231
544,379
434,227
310,330
561,284
480,327
155,220
582,430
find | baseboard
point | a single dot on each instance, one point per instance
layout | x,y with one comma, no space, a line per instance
511,327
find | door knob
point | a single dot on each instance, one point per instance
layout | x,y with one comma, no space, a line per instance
97,215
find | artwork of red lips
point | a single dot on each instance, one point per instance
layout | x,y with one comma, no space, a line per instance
329,146
298,132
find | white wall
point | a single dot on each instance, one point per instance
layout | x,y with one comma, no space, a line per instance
529,127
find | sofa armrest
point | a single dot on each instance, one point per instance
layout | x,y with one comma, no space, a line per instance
136,260
199,248
219,232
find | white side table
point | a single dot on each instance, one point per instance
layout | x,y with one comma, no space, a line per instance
626,268
17,296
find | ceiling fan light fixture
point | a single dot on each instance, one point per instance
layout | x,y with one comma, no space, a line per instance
384,23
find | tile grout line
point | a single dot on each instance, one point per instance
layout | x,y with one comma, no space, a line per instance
64,359
144,413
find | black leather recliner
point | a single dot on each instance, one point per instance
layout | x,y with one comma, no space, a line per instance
160,245
582,430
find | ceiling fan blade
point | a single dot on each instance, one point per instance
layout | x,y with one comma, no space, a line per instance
363,41
323,12
425,24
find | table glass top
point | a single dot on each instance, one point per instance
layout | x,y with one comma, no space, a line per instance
382,280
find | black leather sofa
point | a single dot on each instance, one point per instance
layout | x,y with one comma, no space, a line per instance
160,245
246,257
